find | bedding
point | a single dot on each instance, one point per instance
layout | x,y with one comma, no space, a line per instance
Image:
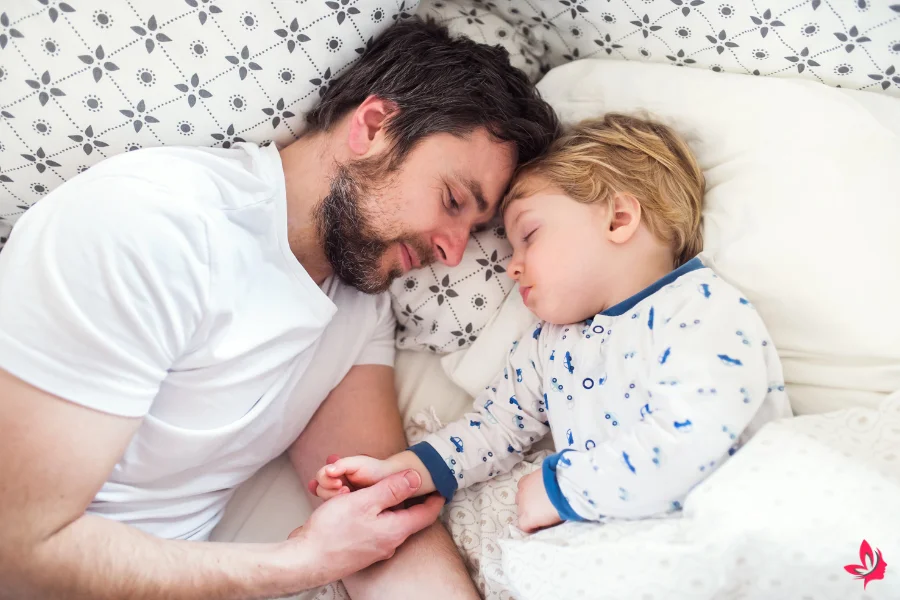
779,520
851,44
773,522
442,309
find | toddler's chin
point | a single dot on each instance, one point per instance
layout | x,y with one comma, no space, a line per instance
549,315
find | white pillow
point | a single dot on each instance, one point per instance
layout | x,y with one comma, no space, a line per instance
802,213
441,309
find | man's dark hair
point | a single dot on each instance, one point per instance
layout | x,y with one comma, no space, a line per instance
441,84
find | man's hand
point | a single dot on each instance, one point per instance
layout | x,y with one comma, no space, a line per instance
357,529
534,506
346,426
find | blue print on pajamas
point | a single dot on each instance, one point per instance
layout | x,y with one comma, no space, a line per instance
673,391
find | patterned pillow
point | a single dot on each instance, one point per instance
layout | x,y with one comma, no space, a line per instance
473,19
81,80
853,45
441,309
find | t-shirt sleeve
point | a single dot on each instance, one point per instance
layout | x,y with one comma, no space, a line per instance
379,350
102,286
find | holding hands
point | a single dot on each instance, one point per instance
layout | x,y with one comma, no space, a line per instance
342,475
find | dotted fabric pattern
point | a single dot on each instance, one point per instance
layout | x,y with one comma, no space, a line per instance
82,80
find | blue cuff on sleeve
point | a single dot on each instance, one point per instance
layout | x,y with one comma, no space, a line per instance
555,494
441,474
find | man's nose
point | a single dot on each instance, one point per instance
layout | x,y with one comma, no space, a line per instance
449,248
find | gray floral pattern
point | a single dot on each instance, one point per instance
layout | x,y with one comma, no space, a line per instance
83,80
852,44
441,309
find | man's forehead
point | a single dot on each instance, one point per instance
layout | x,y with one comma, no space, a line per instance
486,168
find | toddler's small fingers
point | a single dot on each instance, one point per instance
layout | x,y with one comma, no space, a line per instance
337,469
325,479
326,494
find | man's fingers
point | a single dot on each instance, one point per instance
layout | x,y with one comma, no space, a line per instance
416,518
391,491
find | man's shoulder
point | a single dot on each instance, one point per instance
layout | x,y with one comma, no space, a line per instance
114,220
160,195
353,304
196,178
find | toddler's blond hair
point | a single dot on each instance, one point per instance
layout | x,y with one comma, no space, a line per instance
599,158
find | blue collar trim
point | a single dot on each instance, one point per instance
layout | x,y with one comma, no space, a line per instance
626,305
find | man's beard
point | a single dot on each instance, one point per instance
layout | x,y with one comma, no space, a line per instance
344,222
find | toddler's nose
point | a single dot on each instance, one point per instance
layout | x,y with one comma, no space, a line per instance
514,269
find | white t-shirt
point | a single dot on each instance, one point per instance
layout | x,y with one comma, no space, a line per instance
160,284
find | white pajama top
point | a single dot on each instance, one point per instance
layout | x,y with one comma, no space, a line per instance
643,401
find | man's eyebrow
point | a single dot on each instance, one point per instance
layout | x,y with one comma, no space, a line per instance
475,189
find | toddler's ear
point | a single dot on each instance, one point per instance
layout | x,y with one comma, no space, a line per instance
625,218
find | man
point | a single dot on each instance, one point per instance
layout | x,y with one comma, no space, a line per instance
171,319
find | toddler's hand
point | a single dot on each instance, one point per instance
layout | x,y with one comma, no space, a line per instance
534,506
357,471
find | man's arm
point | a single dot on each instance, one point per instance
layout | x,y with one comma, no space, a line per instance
54,457
361,416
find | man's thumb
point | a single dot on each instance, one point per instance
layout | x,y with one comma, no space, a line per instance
394,489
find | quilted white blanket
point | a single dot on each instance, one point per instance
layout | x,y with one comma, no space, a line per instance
807,509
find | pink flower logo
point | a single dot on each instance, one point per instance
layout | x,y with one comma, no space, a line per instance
871,567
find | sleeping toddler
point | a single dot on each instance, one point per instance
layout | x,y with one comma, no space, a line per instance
647,369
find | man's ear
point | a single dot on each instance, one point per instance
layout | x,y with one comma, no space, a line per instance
625,218
366,131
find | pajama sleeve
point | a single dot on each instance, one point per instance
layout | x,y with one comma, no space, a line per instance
706,378
508,417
